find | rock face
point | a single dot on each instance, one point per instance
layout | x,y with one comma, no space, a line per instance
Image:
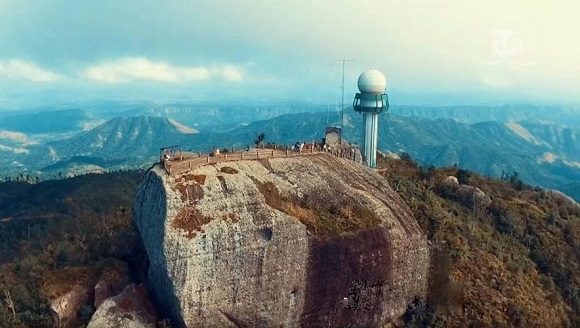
130,309
65,308
451,180
111,283
71,292
301,241
466,193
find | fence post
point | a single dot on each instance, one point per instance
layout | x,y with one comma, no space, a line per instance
208,159
190,165
257,154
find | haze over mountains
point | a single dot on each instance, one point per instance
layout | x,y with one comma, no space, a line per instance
541,144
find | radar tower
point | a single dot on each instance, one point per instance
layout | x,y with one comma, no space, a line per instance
371,101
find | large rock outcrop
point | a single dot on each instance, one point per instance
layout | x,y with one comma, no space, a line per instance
301,241
130,309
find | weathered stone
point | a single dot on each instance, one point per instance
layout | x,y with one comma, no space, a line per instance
67,291
562,197
112,281
473,195
451,180
65,308
130,309
301,241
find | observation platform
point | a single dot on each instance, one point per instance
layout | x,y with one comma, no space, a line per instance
182,162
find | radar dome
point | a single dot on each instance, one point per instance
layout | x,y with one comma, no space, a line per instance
372,81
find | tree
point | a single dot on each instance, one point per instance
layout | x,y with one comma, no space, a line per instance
9,303
516,182
463,176
427,171
407,158
260,139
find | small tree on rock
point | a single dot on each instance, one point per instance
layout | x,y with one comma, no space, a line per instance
260,139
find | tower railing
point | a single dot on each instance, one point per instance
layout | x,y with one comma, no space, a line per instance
380,101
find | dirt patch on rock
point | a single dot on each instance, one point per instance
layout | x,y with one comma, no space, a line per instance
190,220
198,178
228,170
190,194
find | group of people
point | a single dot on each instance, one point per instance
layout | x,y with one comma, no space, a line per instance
316,146
299,146
169,155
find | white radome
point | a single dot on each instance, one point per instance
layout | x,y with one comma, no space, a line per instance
372,81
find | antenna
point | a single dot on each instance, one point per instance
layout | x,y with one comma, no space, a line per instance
344,61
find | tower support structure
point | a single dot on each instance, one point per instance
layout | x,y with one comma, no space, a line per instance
370,137
371,101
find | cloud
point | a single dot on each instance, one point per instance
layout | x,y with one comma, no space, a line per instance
142,69
18,69
232,73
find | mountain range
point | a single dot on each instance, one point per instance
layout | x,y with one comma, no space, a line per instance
544,153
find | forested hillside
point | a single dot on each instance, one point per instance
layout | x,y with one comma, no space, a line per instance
503,255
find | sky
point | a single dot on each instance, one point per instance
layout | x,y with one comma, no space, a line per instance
431,51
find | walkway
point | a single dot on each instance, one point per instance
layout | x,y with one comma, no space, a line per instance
186,161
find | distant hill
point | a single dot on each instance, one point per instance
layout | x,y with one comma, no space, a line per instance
561,115
542,153
216,117
124,137
122,142
545,155
49,121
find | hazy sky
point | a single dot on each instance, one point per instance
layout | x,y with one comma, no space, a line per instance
430,50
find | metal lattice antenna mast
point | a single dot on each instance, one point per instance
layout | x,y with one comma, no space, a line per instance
344,60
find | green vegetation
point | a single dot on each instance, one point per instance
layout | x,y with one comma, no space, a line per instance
322,219
56,233
511,262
